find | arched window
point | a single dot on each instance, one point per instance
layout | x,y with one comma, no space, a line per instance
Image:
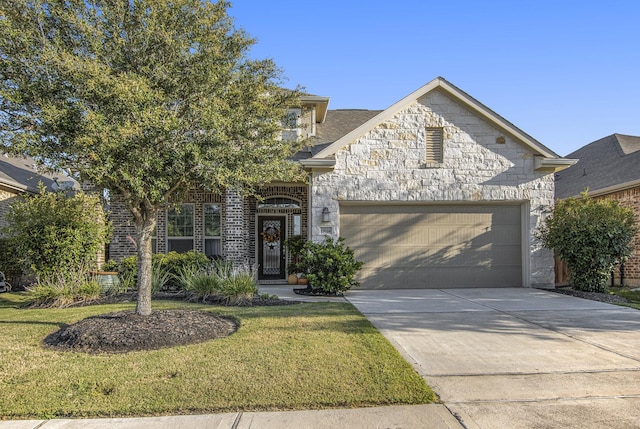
279,203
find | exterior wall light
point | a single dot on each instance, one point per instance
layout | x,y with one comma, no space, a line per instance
325,214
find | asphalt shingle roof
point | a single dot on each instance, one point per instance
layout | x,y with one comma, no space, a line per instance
21,174
337,124
610,161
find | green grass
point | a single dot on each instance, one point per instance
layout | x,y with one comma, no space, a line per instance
306,356
632,296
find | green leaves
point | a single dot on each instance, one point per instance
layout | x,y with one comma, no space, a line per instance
591,236
56,234
330,266
145,97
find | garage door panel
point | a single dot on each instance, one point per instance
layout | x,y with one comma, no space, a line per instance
432,278
506,256
372,256
435,246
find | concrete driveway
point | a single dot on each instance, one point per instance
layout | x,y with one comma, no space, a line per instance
516,358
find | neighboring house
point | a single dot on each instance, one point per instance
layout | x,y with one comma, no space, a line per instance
610,168
435,191
21,175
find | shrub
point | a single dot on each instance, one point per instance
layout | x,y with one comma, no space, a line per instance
127,270
166,269
52,232
330,266
294,245
239,288
233,286
175,262
160,276
591,236
9,262
199,283
64,289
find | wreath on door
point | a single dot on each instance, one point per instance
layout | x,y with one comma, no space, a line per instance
271,234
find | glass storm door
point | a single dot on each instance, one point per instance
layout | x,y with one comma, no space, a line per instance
271,256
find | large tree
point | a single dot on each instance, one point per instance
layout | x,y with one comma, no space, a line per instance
143,97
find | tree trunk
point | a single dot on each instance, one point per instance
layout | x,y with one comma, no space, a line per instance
144,231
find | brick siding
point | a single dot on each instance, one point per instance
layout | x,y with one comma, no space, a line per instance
630,198
238,217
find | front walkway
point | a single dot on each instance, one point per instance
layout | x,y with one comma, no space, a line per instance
516,358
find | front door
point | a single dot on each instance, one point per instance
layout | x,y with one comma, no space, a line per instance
271,255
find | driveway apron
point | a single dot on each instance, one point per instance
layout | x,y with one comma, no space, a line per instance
516,358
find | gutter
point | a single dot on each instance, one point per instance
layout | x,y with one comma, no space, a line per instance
552,165
328,163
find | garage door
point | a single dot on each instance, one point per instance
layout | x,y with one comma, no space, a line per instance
434,246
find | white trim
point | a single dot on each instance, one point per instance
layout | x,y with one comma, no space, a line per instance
318,163
552,164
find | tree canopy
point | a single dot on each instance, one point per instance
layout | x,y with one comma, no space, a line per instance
143,97
591,236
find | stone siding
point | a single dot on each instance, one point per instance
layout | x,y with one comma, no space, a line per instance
388,164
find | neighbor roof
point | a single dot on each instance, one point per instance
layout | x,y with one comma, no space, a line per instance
606,165
22,175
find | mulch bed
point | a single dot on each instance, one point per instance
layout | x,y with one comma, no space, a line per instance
315,292
593,296
125,331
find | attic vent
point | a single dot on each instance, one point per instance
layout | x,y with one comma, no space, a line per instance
434,145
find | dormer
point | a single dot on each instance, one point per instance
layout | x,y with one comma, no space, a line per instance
301,121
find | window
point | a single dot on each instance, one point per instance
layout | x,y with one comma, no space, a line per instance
297,224
180,228
434,145
291,120
154,240
279,203
212,241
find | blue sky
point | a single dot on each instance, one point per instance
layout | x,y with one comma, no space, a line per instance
565,71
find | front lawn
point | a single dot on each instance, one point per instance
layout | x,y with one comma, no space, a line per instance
305,356
632,296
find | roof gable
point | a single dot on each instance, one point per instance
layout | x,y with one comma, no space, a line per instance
457,94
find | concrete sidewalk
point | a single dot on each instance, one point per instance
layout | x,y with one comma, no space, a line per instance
415,416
